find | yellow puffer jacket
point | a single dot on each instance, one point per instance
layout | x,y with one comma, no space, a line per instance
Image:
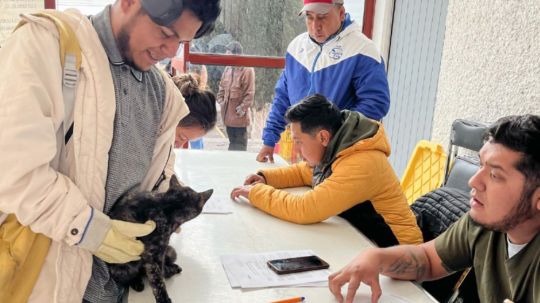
359,173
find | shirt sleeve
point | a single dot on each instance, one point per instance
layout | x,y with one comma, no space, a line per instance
275,124
454,245
353,181
248,79
296,175
371,88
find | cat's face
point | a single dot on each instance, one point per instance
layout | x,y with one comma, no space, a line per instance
190,203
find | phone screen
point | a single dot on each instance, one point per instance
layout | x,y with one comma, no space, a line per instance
299,264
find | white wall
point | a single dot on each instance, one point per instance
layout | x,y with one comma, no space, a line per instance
382,27
355,8
10,11
87,7
491,62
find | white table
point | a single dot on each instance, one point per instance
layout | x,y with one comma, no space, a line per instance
249,230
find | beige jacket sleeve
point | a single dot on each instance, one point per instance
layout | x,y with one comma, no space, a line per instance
31,111
221,91
249,89
162,167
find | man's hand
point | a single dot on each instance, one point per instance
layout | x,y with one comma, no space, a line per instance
365,269
254,179
266,154
120,244
241,191
240,110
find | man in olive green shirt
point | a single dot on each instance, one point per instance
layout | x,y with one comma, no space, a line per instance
499,237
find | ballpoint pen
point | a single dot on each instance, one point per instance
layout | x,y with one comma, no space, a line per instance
290,300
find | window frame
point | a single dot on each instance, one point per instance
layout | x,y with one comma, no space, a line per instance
253,61
266,61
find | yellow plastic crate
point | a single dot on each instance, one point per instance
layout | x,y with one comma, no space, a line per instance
286,144
425,170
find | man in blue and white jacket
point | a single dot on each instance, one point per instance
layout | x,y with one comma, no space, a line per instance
333,58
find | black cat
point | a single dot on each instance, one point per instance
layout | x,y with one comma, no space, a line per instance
169,210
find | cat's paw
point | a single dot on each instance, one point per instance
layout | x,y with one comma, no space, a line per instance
165,299
171,270
137,285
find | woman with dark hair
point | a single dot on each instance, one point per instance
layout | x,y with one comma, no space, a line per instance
202,110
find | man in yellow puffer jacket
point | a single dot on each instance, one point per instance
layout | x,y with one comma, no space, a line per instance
347,167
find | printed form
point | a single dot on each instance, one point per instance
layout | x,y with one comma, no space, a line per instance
218,205
251,271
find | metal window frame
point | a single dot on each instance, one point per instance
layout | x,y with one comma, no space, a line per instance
253,61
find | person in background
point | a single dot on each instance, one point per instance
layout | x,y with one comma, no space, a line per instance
177,67
333,58
202,110
346,166
499,237
235,97
125,115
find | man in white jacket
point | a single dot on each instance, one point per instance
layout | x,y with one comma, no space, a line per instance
125,115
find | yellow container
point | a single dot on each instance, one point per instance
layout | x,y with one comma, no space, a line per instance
425,170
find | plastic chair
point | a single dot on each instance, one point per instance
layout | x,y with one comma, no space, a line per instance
460,168
425,170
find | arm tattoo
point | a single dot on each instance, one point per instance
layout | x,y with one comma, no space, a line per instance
409,265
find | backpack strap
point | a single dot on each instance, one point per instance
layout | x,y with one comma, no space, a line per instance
31,248
70,58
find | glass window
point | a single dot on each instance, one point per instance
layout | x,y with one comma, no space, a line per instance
216,139
264,28
356,9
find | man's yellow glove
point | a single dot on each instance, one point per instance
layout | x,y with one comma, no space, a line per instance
120,244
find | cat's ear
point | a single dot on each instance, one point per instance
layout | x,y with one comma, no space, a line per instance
174,182
205,195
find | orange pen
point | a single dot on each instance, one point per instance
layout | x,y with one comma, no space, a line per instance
290,300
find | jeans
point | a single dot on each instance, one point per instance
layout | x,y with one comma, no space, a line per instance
196,144
237,138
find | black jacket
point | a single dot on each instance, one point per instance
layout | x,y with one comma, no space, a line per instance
438,209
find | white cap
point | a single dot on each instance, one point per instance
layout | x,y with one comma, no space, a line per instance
319,6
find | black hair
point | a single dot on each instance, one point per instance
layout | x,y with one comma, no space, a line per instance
314,113
207,11
520,134
201,103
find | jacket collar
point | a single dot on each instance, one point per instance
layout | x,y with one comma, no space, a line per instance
341,29
102,24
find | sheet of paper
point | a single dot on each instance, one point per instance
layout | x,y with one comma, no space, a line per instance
218,205
251,271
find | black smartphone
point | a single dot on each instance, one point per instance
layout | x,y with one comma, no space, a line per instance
299,264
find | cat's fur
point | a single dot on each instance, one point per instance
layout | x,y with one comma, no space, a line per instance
169,210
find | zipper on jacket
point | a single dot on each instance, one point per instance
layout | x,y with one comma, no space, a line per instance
336,36
311,89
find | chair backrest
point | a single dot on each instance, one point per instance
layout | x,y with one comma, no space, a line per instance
459,169
438,209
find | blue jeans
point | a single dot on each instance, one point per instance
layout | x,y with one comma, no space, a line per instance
237,138
196,144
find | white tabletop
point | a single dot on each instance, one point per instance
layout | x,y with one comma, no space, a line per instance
248,230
